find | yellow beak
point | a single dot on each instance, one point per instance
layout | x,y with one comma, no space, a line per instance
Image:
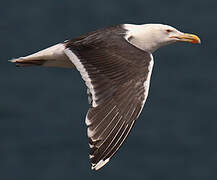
189,38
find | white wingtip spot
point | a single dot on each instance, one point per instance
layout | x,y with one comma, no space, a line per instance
91,146
87,121
100,164
89,133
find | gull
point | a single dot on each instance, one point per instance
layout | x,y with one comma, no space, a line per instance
116,64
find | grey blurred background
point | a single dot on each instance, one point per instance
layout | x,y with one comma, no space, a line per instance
42,110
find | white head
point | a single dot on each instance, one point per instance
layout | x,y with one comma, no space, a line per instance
150,37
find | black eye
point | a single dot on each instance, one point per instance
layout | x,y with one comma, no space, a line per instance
169,30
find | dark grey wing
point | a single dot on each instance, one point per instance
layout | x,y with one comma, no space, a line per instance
110,122
117,74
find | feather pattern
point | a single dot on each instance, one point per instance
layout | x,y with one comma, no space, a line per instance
114,71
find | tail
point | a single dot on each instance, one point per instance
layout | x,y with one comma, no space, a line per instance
21,62
53,56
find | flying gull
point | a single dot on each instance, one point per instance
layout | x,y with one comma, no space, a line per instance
116,64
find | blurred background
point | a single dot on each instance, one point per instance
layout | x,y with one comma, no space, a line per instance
42,110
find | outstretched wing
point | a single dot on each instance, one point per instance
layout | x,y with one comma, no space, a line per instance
117,75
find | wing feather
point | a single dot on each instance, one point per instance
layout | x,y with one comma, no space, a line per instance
115,72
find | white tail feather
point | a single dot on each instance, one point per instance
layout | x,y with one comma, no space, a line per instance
53,56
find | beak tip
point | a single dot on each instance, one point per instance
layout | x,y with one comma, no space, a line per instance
191,38
196,41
